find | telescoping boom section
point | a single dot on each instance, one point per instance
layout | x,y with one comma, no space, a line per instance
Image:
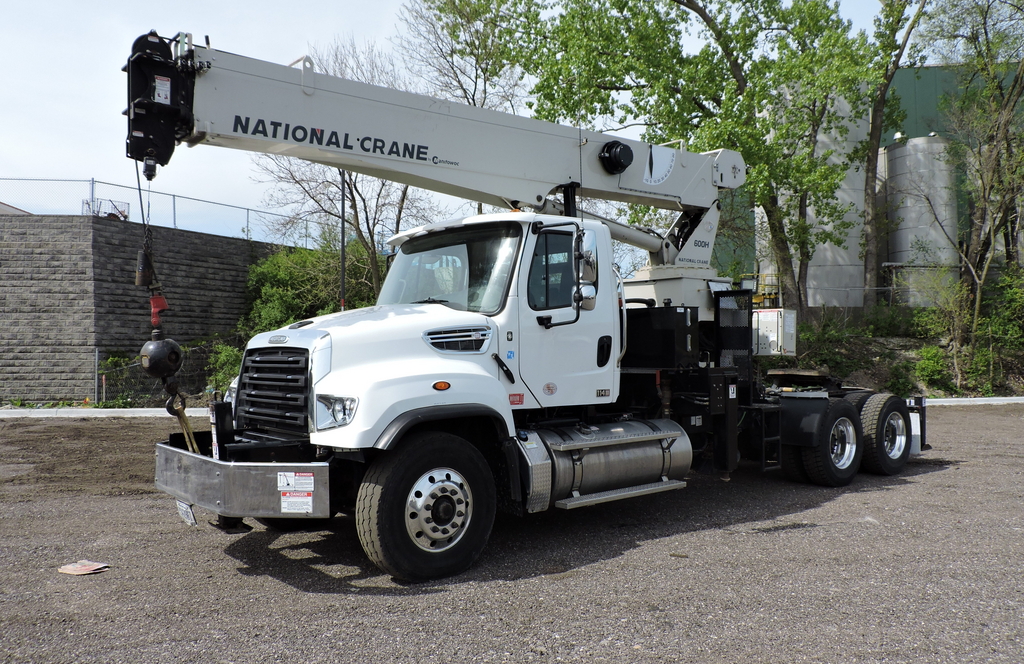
180,92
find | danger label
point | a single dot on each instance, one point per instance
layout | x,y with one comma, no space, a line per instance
296,502
289,481
162,89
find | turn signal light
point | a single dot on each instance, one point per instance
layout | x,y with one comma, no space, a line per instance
442,385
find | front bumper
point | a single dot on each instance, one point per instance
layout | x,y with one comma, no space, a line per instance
244,489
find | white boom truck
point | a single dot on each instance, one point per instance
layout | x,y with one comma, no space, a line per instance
506,365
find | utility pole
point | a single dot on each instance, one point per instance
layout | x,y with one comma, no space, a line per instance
342,293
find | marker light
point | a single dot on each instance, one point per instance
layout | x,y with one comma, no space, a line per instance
442,385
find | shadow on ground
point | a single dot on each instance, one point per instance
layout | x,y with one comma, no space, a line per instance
557,542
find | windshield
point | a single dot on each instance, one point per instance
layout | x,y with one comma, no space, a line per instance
466,269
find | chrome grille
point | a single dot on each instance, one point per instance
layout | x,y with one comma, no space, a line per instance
273,390
460,340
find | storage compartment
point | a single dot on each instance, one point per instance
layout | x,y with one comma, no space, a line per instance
661,338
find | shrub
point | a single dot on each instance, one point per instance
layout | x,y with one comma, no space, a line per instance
901,379
827,343
933,368
887,321
223,366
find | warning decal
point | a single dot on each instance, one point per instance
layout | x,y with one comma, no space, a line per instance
295,481
296,502
162,90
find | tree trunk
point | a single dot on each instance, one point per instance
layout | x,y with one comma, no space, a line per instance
783,257
872,217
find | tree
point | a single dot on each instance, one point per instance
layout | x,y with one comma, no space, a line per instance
456,51
448,49
297,283
767,78
454,48
374,209
893,31
984,41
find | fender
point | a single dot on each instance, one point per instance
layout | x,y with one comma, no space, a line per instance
401,424
801,412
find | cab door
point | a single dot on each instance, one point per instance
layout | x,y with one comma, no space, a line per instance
568,348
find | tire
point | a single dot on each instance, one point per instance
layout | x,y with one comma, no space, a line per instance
835,458
858,398
792,459
404,492
886,434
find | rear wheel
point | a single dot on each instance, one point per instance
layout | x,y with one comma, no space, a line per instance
425,511
886,434
836,456
858,398
792,459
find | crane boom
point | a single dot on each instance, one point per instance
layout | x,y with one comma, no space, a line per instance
180,92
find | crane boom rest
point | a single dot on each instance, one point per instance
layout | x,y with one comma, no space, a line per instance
502,367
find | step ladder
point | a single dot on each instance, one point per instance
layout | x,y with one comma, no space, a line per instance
618,494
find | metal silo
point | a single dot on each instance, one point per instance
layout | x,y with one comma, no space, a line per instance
921,198
922,203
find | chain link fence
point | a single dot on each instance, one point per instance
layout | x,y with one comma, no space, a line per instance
122,383
105,199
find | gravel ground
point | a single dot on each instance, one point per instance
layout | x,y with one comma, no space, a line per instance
925,567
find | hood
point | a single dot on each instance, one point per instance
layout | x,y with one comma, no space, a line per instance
390,331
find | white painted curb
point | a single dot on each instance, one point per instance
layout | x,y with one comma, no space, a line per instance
974,401
11,413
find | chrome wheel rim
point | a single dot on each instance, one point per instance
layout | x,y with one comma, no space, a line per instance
894,438
843,443
438,509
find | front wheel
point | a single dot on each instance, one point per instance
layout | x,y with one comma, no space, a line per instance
886,434
425,511
836,455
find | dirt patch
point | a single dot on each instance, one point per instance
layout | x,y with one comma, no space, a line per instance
86,456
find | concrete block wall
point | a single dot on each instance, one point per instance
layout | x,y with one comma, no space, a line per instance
202,276
67,290
47,313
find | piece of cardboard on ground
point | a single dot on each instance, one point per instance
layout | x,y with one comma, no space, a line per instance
83,567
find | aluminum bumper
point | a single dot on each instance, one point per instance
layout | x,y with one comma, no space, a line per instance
289,490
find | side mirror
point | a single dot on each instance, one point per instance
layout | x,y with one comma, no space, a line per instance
587,296
588,267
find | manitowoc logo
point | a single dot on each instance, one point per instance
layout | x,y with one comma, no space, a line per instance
297,133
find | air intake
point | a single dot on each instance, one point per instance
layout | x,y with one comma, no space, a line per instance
460,340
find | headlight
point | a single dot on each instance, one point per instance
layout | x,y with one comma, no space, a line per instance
232,390
334,411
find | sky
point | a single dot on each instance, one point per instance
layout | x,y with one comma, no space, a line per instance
62,90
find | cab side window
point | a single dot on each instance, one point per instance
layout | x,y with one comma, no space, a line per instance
551,281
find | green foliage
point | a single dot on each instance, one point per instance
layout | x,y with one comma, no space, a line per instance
901,379
294,284
122,400
117,362
223,366
1005,319
933,368
775,80
949,315
831,342
981,374
887,321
